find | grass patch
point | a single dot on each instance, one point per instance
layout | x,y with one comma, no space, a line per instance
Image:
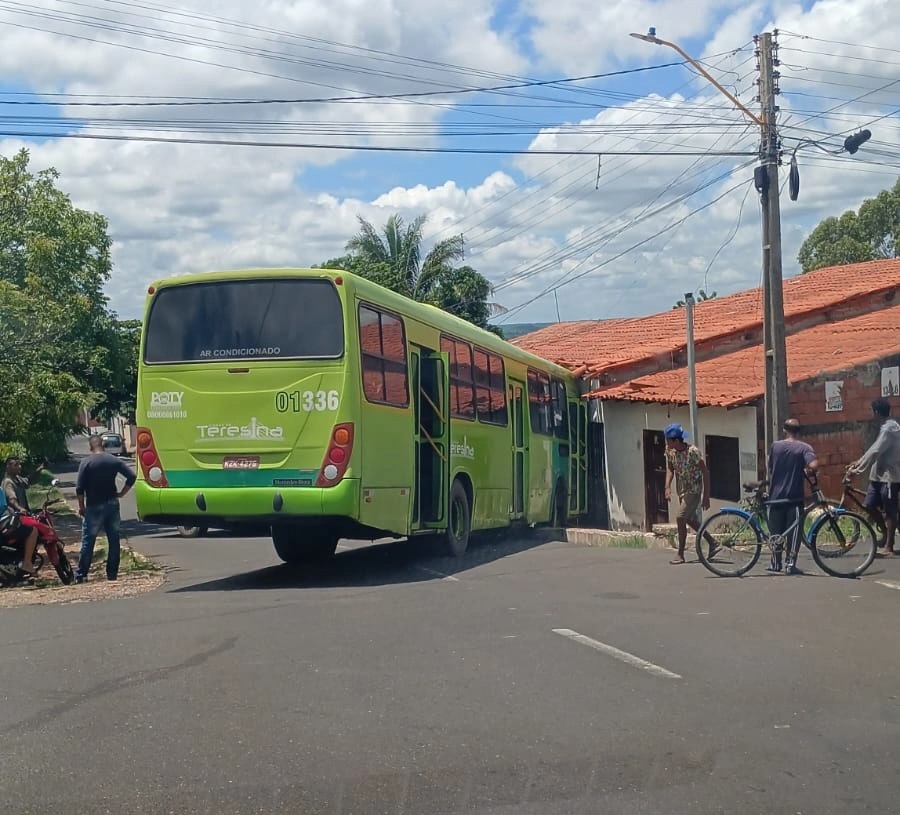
129,560
629,542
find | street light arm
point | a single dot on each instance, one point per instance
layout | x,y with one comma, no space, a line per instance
657,41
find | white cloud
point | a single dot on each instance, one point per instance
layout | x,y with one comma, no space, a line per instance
530,222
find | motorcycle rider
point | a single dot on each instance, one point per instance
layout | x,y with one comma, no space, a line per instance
15,486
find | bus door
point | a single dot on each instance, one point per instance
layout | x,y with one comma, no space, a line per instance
431,386
519,447
578,472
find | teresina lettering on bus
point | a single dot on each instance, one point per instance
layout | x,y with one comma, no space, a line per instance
231,353
253,430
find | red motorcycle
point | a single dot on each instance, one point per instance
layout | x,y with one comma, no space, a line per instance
12,545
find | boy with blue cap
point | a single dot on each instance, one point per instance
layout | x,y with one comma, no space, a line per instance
684,462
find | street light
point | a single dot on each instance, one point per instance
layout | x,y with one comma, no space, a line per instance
652,38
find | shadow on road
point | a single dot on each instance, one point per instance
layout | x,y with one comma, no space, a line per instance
406,561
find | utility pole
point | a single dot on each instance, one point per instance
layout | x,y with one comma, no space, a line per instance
766,178
766,182
692,371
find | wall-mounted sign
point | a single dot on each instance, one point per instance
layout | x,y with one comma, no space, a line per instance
834,400
890,381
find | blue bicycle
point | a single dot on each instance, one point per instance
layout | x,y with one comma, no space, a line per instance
842,542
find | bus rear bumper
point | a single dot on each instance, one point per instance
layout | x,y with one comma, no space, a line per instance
214,506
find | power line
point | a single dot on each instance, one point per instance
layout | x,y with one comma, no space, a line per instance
361,147
339,99
516,309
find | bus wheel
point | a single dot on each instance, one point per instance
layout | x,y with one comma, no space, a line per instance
192,531
295,545
459,521
560,511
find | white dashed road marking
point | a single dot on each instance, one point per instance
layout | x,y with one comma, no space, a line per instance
441,575
889,584
624,656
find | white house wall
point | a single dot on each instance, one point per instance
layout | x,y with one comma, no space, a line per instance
623,432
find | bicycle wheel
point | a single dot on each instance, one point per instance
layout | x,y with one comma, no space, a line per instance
729,543
843,544
811,514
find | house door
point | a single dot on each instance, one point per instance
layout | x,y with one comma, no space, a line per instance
657,508
596,489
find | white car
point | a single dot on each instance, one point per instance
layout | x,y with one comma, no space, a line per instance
113,443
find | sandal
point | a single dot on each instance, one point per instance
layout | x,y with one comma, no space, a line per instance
676,561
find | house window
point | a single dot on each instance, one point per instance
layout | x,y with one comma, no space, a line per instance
724,463
462,378
490,387
382,343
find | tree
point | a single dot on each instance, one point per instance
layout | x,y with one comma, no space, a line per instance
394,260
870,234
124,339
58,343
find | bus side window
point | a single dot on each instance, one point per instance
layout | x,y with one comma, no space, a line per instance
382,343
462,377
539,402
490,387
560,412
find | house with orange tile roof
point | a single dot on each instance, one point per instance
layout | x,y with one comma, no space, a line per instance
843,351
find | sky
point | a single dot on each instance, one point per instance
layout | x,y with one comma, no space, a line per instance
592,175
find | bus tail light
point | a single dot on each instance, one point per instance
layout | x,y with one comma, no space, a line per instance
148,458
337,457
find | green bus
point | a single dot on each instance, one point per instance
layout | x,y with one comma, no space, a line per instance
323,406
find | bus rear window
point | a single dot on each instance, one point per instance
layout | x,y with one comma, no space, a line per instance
245,319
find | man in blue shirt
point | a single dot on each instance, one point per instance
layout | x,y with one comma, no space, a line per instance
790,460
98,504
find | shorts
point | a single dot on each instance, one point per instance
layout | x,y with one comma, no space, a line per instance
690,505
881,495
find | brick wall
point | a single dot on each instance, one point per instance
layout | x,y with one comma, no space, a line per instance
840,437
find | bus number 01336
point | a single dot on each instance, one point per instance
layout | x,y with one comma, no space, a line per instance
306,401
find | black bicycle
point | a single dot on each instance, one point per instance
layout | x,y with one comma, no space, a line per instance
842,542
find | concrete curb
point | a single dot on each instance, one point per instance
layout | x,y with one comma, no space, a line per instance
615,540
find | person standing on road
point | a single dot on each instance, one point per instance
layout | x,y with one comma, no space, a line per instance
789,461
98,505
684,462
884,476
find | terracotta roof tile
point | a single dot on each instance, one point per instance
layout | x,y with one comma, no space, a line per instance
738,378
598,344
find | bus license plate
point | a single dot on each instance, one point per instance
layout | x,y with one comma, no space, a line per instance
240,463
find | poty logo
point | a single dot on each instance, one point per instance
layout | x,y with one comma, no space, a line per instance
166,399
166,405
253,430
462,449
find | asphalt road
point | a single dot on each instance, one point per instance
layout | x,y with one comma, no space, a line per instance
393,681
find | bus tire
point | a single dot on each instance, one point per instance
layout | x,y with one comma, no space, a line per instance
559,510
295,545
459,521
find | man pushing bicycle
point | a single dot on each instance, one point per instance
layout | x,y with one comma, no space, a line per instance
884,475
789,461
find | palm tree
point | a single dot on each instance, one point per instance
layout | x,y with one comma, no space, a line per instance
400,249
